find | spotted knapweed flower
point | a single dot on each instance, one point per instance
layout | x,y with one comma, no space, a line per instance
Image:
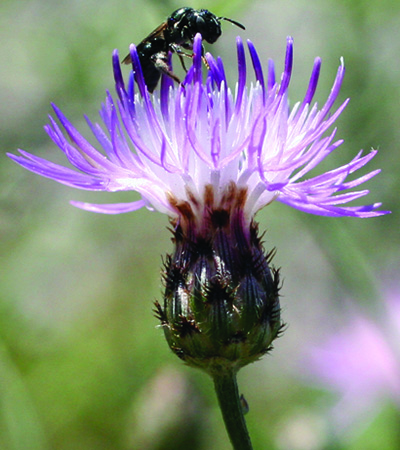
361,364
174,146
210,159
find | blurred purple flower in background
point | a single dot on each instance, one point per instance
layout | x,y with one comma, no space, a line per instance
173,146
362,364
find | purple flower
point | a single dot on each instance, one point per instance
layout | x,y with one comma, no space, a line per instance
171,147
362,363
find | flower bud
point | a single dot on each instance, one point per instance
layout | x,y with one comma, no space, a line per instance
221,303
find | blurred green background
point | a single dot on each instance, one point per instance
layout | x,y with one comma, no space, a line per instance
82,363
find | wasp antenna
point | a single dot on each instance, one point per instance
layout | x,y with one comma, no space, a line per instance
232,21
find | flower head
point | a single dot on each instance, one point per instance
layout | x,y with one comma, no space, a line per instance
189,145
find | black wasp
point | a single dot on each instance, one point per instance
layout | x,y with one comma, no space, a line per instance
174,35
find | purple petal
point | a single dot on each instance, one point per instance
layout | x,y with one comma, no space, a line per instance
112,208
288,66
197,60
56,172
242,73
119,81
312,86
271,75
137,70
256,66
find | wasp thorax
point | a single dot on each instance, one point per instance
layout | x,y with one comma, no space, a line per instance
221,302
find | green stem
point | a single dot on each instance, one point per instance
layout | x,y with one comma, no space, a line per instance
232,410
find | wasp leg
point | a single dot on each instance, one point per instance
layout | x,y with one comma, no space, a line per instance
205,62
177,49
188,46
160,61
182,61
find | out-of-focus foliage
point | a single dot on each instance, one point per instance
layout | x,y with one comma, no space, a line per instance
82,364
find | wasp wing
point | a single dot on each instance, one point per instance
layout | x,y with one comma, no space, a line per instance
157,33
